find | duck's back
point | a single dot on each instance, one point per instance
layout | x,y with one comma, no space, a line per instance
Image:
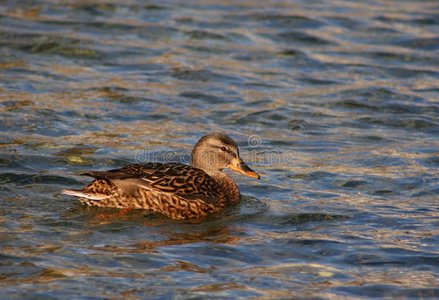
173,178
176,190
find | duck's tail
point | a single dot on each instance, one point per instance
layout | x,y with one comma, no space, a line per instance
82,194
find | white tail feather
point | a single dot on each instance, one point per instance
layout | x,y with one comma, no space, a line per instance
82,194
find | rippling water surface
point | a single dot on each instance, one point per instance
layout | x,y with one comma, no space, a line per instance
334,103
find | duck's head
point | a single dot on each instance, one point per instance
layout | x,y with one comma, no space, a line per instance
217,151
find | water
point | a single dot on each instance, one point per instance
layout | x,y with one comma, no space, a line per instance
334,103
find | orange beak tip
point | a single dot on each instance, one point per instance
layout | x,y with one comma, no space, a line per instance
245,170
253,175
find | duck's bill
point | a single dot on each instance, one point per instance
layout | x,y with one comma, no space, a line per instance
244,170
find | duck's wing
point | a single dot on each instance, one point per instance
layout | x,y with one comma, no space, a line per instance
129,171
183,180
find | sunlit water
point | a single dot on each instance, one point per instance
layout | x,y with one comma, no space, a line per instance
334,103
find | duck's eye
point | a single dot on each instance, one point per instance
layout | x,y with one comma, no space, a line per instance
224,148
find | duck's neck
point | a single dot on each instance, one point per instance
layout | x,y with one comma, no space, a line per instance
228,185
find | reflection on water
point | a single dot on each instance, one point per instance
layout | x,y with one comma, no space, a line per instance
334,104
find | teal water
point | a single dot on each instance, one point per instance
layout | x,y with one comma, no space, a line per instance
334,103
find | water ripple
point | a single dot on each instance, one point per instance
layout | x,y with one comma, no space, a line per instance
342,100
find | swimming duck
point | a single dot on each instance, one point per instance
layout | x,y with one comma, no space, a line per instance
175,190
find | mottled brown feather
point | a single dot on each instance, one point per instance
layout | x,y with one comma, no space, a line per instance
175,190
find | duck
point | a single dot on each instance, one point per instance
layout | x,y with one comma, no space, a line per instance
175,190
